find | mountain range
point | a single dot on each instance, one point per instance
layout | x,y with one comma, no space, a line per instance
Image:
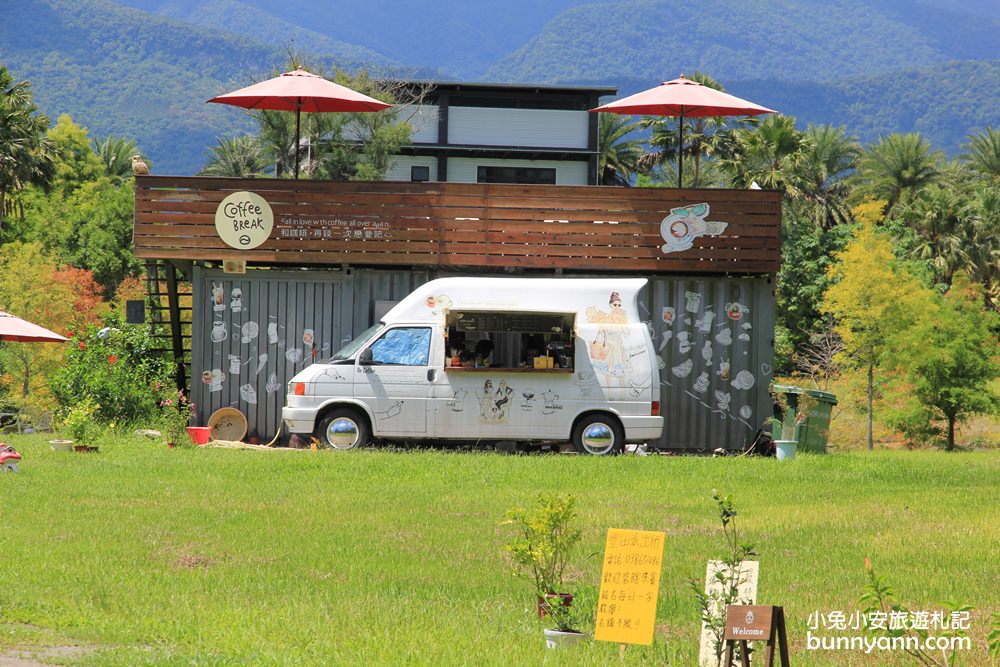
144,68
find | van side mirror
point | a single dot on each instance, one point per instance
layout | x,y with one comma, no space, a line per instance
366,357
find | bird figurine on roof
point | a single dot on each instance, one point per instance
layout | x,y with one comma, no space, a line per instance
139,168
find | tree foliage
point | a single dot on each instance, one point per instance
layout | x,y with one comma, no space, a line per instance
872,299
27,157
34,286
947,362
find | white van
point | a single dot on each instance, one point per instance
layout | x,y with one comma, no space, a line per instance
488,360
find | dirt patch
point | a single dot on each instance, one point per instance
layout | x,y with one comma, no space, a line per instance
192,561
40,656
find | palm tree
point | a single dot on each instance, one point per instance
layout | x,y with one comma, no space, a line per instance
618,156
941,219
116,154
768,155
822,175
984,153
239,156
27,156
984,248
897,167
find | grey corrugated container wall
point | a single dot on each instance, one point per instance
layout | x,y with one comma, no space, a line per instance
244,353
717,356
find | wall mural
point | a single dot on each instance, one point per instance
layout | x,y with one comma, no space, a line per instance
715,371
245,354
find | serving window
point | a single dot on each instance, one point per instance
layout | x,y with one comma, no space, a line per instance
512,341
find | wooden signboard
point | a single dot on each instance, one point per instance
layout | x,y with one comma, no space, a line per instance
746,586
746,623
630,586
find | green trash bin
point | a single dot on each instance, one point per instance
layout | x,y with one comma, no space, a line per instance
814,431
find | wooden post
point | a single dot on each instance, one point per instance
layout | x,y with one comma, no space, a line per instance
173,303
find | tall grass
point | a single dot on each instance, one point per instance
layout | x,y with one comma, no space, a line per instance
218,557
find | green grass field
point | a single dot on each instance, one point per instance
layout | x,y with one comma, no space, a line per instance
144,555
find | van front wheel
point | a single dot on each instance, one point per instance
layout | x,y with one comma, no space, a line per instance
343,429
598,435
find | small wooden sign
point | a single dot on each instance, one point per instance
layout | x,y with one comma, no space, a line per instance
234,266
758,622
630,586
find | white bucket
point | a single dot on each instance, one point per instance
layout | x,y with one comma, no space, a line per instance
786,449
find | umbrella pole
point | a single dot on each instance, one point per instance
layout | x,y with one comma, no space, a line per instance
298,112
680,156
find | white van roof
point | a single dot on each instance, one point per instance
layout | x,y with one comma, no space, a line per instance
537,295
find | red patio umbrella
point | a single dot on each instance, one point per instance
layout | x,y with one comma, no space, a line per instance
15,329
684,98
300,91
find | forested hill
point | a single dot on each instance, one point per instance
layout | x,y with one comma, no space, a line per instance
804,40
125,72
144,68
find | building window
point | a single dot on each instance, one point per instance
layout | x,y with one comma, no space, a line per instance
420,173
516,175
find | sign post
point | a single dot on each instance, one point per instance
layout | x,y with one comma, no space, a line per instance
745,623
630,586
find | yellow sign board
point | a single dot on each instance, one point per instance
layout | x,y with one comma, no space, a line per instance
630,586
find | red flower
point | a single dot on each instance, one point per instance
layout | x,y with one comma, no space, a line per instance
70,334
112,359
82,346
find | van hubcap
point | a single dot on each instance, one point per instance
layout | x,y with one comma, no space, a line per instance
342,433
598,438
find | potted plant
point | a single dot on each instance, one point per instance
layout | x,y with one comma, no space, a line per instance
81,426
542,545
563,621
788,429
176,414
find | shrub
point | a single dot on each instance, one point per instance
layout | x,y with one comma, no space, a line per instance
119,367
79,422
543,541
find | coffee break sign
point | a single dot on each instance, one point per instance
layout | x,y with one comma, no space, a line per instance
630,586
244,220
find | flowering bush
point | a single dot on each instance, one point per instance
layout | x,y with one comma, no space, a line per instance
176,413
117,365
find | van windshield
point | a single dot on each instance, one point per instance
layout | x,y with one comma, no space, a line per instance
352,348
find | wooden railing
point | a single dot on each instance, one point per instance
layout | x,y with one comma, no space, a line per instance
481,226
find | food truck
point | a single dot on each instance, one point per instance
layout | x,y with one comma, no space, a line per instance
491,359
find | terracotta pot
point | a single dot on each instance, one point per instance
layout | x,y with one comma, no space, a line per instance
545,604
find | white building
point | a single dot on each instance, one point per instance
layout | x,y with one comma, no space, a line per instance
502,133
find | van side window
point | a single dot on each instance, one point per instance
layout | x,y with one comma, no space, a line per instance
511,340
403,347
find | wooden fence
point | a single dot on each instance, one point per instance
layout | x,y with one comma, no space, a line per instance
479,226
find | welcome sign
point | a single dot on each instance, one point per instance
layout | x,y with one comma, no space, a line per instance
244,220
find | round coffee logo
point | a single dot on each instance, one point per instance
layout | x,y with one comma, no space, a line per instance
244,220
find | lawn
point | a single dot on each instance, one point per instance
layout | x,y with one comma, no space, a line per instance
144,555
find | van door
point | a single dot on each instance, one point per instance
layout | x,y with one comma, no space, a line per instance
394,382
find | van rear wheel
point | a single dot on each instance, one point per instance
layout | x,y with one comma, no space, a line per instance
343,428
598,435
